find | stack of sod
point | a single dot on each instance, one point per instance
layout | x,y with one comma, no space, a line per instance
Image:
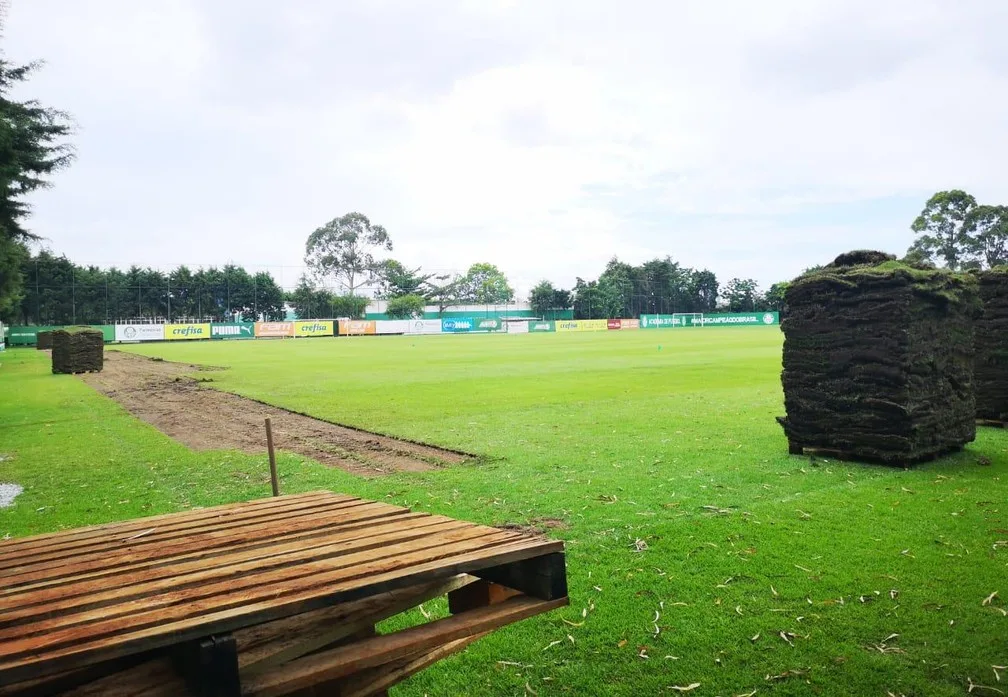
77,350
43,341
991,364
878,360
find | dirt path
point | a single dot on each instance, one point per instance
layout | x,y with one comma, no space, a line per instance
160,393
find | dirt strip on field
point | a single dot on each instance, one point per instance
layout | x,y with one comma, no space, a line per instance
185,408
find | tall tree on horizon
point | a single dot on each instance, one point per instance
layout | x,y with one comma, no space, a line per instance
32,149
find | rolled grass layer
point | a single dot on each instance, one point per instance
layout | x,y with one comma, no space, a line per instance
77,351
878,360
991,365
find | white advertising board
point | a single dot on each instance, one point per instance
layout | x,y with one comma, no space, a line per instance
424,326
392,326
139,332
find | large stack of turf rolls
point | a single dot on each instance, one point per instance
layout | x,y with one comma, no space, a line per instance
77,350
991,364
43,341
878,360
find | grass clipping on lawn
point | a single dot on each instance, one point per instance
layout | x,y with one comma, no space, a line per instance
77,351
878,359
992,346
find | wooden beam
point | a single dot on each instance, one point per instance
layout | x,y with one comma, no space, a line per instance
543,577
371,653
376,681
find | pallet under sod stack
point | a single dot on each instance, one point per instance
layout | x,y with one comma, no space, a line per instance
878,360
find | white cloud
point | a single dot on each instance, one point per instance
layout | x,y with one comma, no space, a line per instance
544,137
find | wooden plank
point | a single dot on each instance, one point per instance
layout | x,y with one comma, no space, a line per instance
154,678
371,653
236,571
24,660
268,644
302,634
178,531
331,526
134,525
542,577
234,591
375,681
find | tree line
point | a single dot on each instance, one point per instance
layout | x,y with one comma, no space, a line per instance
658,286
57,291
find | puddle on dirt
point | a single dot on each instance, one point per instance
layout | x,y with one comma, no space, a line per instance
9,492
164,395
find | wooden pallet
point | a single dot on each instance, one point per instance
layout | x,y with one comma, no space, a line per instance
269,597
993,423
846,456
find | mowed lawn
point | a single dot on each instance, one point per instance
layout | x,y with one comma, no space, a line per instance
698,551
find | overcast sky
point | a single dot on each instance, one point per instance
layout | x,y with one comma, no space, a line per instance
752,138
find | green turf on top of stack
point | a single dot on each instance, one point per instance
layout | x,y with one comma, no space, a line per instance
991,364
878,360
77,350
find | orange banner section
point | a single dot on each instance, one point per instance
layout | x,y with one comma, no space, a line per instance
357,327
274,329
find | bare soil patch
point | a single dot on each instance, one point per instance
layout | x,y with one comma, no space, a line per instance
165,395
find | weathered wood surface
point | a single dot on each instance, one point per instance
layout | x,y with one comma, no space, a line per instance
80,598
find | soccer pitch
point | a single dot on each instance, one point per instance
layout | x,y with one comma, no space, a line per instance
698,550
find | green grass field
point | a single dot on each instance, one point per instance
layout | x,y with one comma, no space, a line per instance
659,453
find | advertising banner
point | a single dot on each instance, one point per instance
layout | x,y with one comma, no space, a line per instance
357,327
662,321
274,329
517,327
315,327
424,326
614,324
457,326
728,319
629,323
582,325
392,326
486,324
742,319
177,332
26,336
139,332
232,330
541,326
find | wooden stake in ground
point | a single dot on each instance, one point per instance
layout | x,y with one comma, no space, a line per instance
272,457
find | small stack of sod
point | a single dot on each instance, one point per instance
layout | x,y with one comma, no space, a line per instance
878,360
43,341
77,350
991,366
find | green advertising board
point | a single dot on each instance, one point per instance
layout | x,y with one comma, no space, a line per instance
542,326
662,321
27,335
232,330
724,319
740,319
486,324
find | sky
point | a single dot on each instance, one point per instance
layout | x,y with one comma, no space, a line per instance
545,136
